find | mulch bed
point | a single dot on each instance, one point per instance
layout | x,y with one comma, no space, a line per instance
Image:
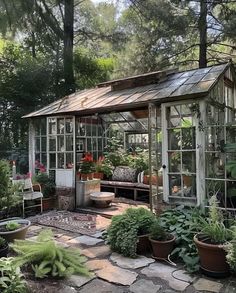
69,221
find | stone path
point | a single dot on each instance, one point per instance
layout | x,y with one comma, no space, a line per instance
114,273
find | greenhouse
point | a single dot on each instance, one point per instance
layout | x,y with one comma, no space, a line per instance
184,121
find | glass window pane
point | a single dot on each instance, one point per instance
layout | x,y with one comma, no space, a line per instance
189,186
174,139
52,125
100,144
81,129
44,159
37,144
60,126
69,125
43,126
69,143
175,185
80,145
174,117
94,130
94,141
43,144
52,143
37,126
69,160
52,161
89,144
88,130
60,143
60,160
174,162
189,162
100,131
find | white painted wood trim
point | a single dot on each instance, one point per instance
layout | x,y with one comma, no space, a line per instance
31,148
164,152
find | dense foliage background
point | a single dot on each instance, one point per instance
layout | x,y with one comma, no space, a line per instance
50,48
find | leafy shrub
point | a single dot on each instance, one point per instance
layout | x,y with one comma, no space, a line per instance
157,231
184,224
12,226
47,184
122,235
11,280
47,258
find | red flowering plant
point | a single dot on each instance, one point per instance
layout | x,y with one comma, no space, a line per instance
103,165
87,165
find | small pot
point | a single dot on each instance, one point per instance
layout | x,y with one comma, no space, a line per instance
83,176
212,258
4,251
90,176
143,244
20,233
162,249
98,175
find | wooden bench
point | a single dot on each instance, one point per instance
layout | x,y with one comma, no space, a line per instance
134,186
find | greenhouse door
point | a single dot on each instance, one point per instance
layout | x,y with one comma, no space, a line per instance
182,147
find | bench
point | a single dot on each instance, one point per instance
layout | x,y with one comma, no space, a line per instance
135,186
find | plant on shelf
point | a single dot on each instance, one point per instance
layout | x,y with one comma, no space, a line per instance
3,247
139,160
162,242
87,166
211,240
115,153
47,258
126,232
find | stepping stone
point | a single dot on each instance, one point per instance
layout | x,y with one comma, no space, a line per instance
144,286
108,272
164,272
117,275
184,276
86,240
97,264
99,251
131,263
203,284
98,234
78,281
67,289
100,286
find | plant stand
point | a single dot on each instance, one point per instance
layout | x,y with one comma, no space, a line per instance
83,191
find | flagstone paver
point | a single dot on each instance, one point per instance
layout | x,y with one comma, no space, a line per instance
79,281
99,251
67,289
98,264
100,286
86,240
131,263
97,234
164,272
117,275
208,285
144,286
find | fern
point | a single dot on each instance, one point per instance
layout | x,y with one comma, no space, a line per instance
48,258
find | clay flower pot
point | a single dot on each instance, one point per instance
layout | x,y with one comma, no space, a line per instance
162,249
84,177
143,244
98,175
212,258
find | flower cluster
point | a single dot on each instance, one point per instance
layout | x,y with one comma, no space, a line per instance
87,164
40,167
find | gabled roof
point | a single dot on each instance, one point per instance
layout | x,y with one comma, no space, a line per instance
168,85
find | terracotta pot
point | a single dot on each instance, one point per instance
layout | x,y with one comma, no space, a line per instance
98,175
16,234
83,176
90,176
4,251
155,179
212,258
162,249
145,179
143,244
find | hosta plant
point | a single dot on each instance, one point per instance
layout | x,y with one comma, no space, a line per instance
48,258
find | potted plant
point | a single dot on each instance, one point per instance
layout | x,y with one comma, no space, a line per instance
128,233
43,183
103,167
162,242
3,247
87,167
14,228
211,242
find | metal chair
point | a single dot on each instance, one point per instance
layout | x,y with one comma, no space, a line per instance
29,193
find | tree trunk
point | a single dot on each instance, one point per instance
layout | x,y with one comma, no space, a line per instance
202,28
68,46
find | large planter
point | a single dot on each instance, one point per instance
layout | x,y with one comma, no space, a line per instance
162,249
143,244
49,203
16,234
212,258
